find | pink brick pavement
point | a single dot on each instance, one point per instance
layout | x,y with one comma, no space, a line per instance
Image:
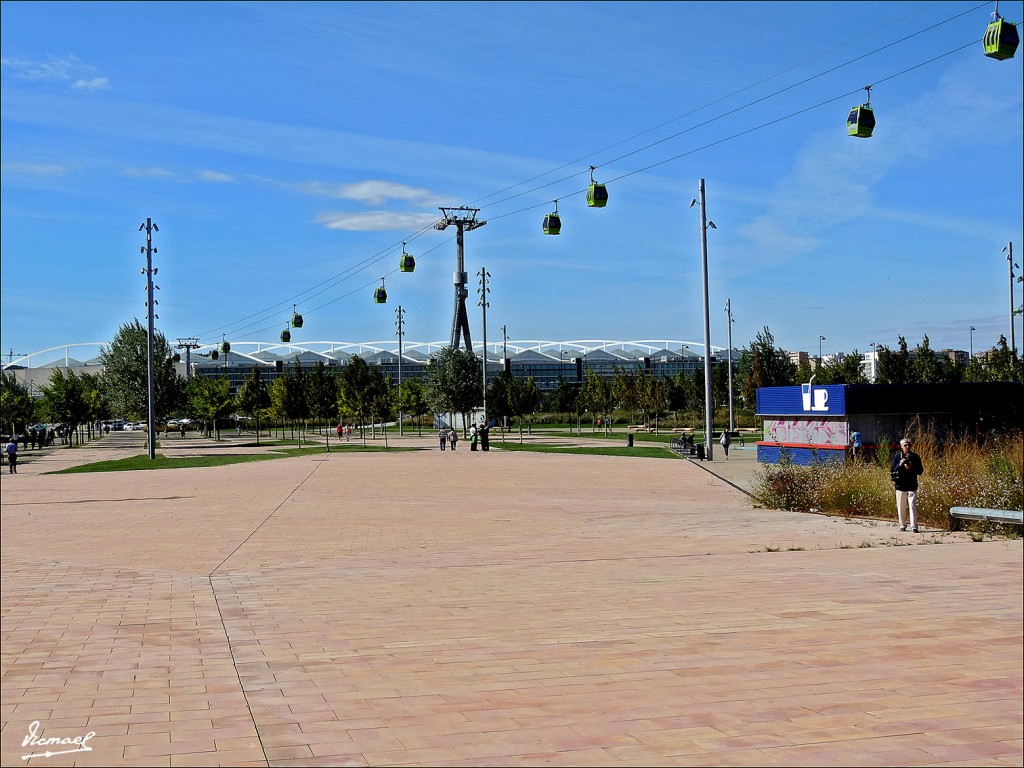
491,609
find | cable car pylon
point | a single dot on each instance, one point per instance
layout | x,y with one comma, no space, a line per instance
464,220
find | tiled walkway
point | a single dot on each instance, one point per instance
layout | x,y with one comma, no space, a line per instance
491,609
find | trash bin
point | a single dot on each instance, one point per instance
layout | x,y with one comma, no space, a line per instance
700,451
629,440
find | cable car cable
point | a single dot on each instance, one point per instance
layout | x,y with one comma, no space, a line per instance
748,130
728,113
724,98
359,266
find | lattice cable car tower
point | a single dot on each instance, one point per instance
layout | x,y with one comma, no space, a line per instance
464,219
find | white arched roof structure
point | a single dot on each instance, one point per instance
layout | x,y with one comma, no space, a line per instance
252,350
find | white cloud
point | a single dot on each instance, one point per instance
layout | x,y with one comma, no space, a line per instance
153,172
184,177
36,169
94,84
369,192
376,221
67,69
216,176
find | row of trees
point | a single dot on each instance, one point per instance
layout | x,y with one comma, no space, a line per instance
364,394
762,364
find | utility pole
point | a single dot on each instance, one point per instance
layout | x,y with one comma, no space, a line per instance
150,226
401,320
728,312
1008,250
464,219
484,290
188,345
709,406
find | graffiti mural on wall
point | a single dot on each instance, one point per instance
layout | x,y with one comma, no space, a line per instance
805,431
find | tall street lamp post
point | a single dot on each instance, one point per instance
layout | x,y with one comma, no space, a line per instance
709,412
730,321
484,290
400,313
150,226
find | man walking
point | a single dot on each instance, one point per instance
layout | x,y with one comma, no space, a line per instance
12,455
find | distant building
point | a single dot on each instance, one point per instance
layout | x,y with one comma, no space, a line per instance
546,361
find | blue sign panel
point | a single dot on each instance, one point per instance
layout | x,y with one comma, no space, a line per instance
806,399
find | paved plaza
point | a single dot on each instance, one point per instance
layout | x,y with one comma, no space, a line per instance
500,608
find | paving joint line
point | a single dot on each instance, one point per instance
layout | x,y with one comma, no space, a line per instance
727,482
220,613
316,466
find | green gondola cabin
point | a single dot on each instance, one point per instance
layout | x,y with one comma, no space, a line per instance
861,122
552,224
597,195
407,263
380,296
296,320
286,336
1001,39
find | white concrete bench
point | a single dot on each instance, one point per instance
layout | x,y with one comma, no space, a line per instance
1007,516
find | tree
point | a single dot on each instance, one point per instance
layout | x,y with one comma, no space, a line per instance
499,397
382,398
894,367
125,374
1004,364
65,400
453,382
412,400
360,389
845,369
925,367
597,394
650,395
295,403
762,364
624,389
720,383
253,398
278,396
562,399
17,408
322,395
96,404
210,400
524,398
804,371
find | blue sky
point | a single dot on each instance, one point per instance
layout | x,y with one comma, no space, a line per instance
286,151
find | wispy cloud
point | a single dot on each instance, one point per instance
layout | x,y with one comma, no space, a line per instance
182,177
215,176
153,172
67,69
93,84
833,179
376,221
369,192
36,169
